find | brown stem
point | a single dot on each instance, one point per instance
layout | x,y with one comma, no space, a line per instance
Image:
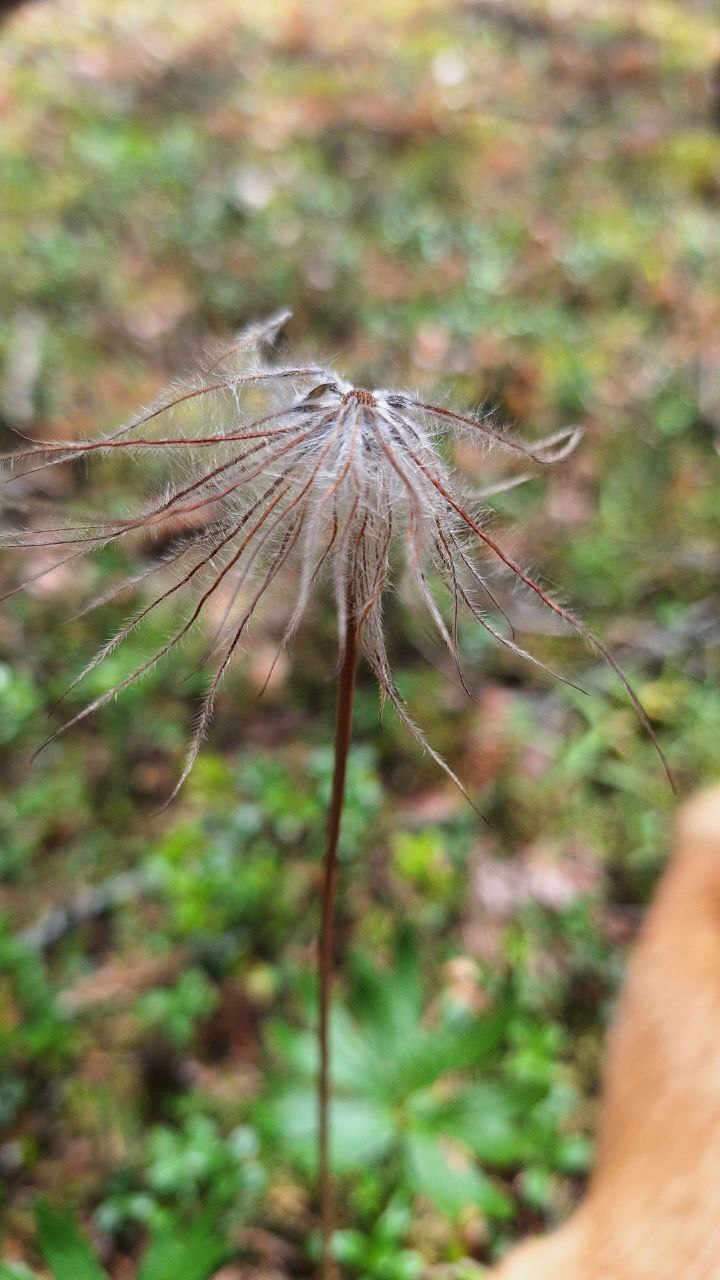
343,730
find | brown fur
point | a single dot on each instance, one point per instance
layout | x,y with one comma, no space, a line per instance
652,1211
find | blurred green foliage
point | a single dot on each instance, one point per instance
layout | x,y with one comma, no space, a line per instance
431,1096
189,1253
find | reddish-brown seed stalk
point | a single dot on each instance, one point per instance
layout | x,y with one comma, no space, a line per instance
343,731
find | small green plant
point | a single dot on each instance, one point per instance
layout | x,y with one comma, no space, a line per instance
447,1101
174,1012
179,1250
182,1163
35,1034
379,1254
182,1166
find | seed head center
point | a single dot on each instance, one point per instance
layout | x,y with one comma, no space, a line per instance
361,396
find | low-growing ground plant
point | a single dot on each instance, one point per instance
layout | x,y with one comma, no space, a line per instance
186,1252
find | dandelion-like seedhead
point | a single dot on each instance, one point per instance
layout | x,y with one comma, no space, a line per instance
288,473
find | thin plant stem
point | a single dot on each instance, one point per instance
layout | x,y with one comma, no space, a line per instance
343,733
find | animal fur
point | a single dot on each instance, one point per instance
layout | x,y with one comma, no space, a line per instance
652,1211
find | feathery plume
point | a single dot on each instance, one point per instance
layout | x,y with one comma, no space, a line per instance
291,468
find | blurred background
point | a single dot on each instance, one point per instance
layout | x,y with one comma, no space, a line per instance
510,202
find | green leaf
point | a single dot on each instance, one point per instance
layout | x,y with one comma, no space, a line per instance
184,1253
16,1271
492,1120
427,1056
355,1063
361,1130
391,1000
447,1176
64,1247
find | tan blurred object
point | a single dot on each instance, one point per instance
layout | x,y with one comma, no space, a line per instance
653,1208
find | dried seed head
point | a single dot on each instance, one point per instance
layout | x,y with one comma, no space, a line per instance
360,396
290,468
